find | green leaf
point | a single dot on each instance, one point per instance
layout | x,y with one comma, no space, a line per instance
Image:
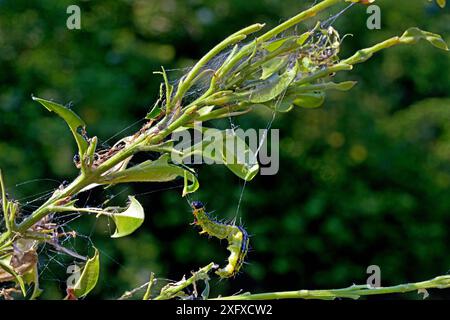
168,88
287,42
310,99
322,86
190,187
223,147
72,119
230,149
283,106
129,220
159,170
276,44
205,111
272,87
154,113
89,276
341,86
413,35
272,66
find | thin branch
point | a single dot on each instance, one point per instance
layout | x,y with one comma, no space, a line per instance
172,290
4,202
352,292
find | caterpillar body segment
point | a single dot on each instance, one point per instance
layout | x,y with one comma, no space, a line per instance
238,247
237,238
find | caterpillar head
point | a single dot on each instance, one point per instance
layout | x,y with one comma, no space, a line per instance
197,205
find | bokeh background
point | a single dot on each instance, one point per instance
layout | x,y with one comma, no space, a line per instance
364,180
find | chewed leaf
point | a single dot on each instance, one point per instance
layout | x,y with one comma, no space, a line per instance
72,119
413,35
272,87
89,276
129,220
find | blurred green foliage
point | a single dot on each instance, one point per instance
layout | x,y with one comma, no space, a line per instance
364,180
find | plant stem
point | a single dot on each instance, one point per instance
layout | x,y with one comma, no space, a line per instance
4,203
352,292
309,13
89,177
148,292
232,39
171,290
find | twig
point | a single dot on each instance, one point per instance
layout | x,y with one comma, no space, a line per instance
173,289
352,292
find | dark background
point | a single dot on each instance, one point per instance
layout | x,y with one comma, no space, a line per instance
364,180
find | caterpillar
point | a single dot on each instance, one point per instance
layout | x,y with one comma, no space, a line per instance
236,236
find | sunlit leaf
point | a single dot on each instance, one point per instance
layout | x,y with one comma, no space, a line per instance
310,99
272,66
129,220
223,147
274,45
74,122
285,105
272,87
159,170
153,113
229,148
89,276
191,183
271,46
